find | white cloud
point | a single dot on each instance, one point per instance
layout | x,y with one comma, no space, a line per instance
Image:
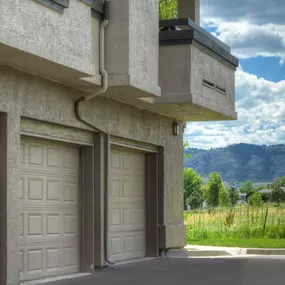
261,108
254,11
281,62
251,28
250,40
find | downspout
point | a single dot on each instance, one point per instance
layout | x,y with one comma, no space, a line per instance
102,69
101,91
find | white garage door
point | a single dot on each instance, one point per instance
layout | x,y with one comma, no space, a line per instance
127,205
49,209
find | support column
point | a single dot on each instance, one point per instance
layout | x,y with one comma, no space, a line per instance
3,198
152,204
87,209
99,202
161,228
189,9
9,195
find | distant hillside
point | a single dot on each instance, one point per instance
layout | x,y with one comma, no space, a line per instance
240,162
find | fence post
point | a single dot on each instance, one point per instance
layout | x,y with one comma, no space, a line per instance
265,219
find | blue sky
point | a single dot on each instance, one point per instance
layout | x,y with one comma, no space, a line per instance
255,30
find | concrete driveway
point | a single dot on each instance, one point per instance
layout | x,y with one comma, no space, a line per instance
178,271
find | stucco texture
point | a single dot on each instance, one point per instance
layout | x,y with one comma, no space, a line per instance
65,38
132,44
204,66
40,99
190,66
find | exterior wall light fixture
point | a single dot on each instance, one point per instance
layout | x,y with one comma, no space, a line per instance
176,129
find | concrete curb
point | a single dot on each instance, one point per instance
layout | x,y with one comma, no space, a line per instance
212,251
182,253
266,251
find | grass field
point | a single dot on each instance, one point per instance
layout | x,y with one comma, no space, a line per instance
242,226
244,243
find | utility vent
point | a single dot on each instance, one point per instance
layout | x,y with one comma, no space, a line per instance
221,90
208,84
213,86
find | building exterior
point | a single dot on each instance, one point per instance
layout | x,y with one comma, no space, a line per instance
242,198
93,101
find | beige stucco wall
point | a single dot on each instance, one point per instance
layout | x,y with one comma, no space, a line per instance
33,97
132,44
175,60
204,66
187,79
65,38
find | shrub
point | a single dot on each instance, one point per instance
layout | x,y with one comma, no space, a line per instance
230,219
255,199
186,215
277,194
195,200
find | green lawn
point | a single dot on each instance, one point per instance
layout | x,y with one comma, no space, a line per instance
246,243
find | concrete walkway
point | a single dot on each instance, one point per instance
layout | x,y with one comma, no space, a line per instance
177,271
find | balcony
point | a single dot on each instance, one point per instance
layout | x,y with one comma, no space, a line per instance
196,74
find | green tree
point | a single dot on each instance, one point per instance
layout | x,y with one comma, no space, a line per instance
234,195
204,191
192,183
195,200
224,196
260,187
282,181
215,185
247,187
168,9
255,199
186,151
277,194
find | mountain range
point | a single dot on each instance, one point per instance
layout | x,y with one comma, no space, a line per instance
239,162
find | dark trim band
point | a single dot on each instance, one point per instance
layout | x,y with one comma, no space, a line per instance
191,24
58,5
181,37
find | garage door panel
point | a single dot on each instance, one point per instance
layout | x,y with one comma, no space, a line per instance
70,192
127,205
128,245
127,163
53,257
53,225
49,156
123,188
127,219
37,188
53,190
42,225
49,209
39,261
